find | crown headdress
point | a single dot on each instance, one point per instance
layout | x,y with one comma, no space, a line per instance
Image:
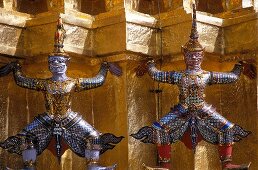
60,35
193,44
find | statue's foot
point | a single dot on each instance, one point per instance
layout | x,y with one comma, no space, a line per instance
153,168
230,166
95,166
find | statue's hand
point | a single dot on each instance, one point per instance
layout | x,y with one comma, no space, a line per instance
143,67
105,65
115,69
16,65
6,69
249,68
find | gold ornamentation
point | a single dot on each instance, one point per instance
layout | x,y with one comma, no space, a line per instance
29,164
164,160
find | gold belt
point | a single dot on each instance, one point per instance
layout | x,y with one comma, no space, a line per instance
58,116
193,106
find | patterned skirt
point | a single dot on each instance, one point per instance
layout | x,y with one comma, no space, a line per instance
72,129
206,122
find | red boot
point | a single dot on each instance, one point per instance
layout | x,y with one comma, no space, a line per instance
164,152
225,153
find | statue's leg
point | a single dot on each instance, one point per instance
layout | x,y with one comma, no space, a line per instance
218,130
172,122
80,135
164,152
38,131
167,130
225,152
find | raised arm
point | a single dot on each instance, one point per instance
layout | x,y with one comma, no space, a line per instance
98,80
26,82
20,79
170,77
226,77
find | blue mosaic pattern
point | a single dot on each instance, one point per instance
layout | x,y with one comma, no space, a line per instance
26,82
90,83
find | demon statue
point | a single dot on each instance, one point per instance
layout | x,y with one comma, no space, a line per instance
60,128
192,119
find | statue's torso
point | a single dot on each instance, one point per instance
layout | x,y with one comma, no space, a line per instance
191,87
58,97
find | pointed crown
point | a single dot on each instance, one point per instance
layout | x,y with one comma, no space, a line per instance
193,44
60,35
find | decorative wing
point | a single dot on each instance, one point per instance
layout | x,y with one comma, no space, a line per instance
108,141
145,134
12,144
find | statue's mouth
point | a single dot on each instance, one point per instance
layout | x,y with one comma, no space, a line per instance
193,63
57,67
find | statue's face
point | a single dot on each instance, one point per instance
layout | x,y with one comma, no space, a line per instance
193,59
57,64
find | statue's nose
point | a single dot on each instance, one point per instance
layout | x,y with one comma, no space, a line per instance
55,61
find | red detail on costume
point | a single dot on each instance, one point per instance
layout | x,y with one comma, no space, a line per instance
56,36
52,146
225,151
164,152
186,139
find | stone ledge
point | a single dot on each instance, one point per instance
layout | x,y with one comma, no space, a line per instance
79,19
12,51
13,18
227,19
140,18
110,32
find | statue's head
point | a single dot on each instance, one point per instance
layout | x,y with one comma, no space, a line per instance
57,64
58,59
193,50
193,56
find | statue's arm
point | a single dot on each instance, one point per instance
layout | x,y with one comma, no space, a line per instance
226,77
171,77
20,79
97,81
27,82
